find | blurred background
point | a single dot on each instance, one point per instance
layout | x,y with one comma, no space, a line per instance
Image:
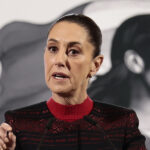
123,79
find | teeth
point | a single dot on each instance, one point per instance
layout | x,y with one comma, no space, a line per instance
58,77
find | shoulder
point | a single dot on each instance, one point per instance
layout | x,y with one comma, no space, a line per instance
30,119
115,112
121,122
32,111
105,107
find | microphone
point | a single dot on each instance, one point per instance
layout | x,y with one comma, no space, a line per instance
47,127
94,123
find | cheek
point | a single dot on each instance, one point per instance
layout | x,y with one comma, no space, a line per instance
47,63
81,69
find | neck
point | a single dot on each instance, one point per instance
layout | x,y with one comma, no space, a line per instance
70,113
69,99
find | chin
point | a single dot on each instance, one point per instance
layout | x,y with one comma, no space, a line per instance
61,90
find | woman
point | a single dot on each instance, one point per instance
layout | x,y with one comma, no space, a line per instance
70,119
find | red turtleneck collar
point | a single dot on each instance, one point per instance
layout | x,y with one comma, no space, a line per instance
70,113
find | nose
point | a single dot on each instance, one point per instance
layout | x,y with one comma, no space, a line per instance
61,58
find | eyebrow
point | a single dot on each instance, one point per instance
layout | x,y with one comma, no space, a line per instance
69,44
53,40
73,43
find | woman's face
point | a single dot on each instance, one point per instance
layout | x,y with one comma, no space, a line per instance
68,58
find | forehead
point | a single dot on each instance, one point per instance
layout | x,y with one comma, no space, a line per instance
68,31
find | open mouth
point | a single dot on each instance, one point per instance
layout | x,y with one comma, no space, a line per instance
57,75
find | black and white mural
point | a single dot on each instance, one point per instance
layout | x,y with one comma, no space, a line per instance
124,78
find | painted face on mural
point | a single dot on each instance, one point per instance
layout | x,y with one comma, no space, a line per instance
68,58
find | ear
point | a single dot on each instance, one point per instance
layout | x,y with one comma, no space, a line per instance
134,62
97,61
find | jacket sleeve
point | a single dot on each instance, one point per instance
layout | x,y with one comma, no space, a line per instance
134,140
10,119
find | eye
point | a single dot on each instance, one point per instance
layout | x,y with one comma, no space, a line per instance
52,49
73,52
